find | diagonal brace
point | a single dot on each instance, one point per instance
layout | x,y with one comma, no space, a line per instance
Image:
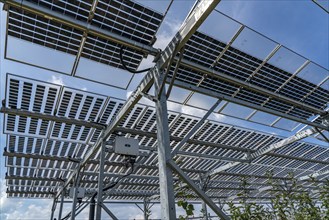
197,190
108,211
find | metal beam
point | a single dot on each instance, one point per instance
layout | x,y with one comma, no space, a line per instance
320,132
314,175
197,190
218,95
80,25
223,146
48,117
188,28
298,136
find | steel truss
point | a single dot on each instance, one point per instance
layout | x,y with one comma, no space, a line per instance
157,76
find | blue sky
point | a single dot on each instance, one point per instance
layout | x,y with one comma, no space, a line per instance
299,25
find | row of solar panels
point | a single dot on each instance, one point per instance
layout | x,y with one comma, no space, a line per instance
125,18
201,49
42,151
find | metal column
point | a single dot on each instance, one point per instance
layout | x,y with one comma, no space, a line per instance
61,206
146,209
204,205
74,202
53,208
75,190
100,182
167,198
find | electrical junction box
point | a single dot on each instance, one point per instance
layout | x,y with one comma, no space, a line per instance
126,146
80,192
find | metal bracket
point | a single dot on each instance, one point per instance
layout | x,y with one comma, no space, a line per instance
149,97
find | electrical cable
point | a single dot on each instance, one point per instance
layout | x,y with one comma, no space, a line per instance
127,68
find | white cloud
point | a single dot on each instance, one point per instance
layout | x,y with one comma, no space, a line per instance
165,36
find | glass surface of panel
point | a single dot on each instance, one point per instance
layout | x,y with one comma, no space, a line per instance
313,73
286,60
201,101
254,44
263,118
224,29
236,110
286,124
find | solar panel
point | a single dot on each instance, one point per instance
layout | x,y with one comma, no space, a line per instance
204,50
43,31
37,163
41,153
125,18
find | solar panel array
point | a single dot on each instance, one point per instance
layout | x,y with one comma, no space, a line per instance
39,153
126,18
204,50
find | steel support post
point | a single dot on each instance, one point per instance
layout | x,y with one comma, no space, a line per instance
61,205
167,197
197,190
53,208
145,210
204,205
100,182
74,203
75,190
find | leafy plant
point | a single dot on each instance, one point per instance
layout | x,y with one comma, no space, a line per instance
291,201
183,203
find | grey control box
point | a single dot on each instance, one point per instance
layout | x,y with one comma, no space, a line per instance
126,146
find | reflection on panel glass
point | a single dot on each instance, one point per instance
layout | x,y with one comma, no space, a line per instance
325,85
201,101
287,60
178,94
286,124
313,73
39,56
224,29
254,44
238,111
263,118
94,71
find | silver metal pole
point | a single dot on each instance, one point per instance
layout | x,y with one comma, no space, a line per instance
61,206
204,205
75,190
197,190
74,203
100,182
167,198
146,210
53,208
